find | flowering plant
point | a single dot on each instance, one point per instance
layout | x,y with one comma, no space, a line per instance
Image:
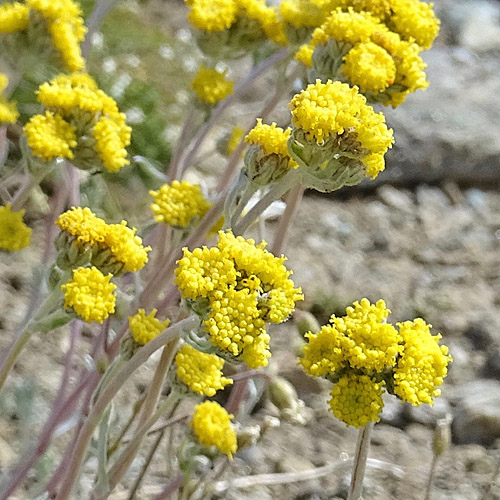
190,281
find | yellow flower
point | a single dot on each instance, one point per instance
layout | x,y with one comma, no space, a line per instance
179,203
14,233
304,55
233,140
212,427
90,294
13,17
112,242
211,86
423,364
49,136
66,36
370,67
65,25
145,328
301,13
357,400
111,139
246,286
266,17
83,224
126,246
367,341
8,110
201,372
414,20
270,138
213,15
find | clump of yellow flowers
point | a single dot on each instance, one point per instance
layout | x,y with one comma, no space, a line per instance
14,233
212,427
80,123
90,294
145,327
86,238
8,110
179,204
211,86
236,287
362,355
61,20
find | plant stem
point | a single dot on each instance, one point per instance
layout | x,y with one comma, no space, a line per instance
432,473
360,457
24,191
171,488
277,191
108,393
292,205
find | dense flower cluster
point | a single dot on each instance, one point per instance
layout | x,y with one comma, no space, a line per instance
178,204
81,123
90,294
212,427
200,371
362,353
335,110
361,48
243,286
14,233
145,327
211,86
268,159
8,110
62,18
111,247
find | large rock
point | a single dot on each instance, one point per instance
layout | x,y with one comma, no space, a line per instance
451,130
477,414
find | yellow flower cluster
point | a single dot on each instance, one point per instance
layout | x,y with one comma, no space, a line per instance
212,427
13,17
90,294
178,204
76,103
245,286
8,110
362,353
357,400
270,138
423,365
14,233
247,16
233,140
211,86
145,327
201,372
49,136
301,13
64,22
385,64
328,109
112,246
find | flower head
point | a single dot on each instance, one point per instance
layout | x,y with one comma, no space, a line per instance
145,328
213,15
301,13
90,294
13,17
49,136
14,233
212,427
84,225
369,66
357,400
211,86
112,136
179,203
8,110
244,286
201,372
423,364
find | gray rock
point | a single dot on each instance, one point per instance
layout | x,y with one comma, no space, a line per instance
491,368
451,130
478,336
396,198
477,414
426,414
